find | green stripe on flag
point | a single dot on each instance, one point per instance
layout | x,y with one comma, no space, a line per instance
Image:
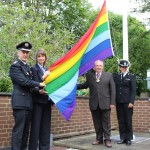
100,29
63,79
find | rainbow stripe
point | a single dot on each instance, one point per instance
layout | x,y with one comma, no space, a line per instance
61,84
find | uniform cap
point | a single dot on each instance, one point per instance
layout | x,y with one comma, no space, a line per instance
124,63
24,46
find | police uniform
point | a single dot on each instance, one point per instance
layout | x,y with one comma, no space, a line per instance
21,99
125,94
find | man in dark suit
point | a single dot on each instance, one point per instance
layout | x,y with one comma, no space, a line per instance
125,96
101,100
21,96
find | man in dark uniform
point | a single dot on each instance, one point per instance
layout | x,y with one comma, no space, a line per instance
125,95
21,97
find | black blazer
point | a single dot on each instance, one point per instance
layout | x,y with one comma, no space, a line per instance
37,76
125,88
22,84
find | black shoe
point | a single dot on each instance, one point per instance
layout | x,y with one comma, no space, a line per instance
121,141
128,142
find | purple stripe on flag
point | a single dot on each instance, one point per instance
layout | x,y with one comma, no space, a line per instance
89,65
95,51
68,112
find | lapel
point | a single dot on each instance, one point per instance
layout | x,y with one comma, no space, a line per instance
93,74
118,76
126,76
25,68
39,71
102,75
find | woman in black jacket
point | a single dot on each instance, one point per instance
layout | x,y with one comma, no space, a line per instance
41,116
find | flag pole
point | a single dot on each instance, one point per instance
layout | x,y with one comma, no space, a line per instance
125,31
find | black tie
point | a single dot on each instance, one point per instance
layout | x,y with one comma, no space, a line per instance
121,76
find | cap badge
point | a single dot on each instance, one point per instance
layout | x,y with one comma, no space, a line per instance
26,44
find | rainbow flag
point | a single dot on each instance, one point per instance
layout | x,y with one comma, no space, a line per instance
95,44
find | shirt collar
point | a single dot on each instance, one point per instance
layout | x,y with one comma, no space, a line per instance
41,66
124,74
23,61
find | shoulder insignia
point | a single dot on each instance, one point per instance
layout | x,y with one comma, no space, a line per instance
15,62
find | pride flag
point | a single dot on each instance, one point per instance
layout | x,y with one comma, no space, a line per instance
95,44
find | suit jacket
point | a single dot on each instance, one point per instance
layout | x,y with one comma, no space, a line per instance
102,93
37,76
22,83
125,88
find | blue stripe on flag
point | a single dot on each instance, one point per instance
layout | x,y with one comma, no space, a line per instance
99,39
61,93
98,49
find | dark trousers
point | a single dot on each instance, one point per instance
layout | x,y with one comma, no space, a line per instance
124,115
20,130
40,127
101,120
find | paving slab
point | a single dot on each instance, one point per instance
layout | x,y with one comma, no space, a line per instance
84,142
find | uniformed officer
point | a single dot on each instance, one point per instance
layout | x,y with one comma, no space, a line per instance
125,96
21,96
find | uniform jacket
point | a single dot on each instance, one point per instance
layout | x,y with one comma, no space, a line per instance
125,88
101,93
37,76
22,83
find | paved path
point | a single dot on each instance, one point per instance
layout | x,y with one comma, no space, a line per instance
141,142
83,142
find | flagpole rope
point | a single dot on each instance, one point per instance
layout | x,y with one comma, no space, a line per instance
116,53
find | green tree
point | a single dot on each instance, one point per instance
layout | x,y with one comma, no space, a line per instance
44,23
144,5
25,25
139,48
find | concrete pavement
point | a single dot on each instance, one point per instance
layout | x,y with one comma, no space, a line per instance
83,142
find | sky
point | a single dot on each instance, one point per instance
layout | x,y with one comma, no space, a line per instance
121,7
116,6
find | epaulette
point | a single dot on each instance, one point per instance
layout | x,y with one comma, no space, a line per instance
15,62
130,74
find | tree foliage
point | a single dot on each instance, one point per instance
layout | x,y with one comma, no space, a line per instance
40,23
144,5
139,48
56,26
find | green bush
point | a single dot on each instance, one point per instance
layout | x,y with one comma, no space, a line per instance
5,85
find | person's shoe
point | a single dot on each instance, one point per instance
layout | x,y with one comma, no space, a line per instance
128,142
97,142
108,143
121,141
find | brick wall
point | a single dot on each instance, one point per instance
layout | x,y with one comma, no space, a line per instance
141,117
80,122
6,120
